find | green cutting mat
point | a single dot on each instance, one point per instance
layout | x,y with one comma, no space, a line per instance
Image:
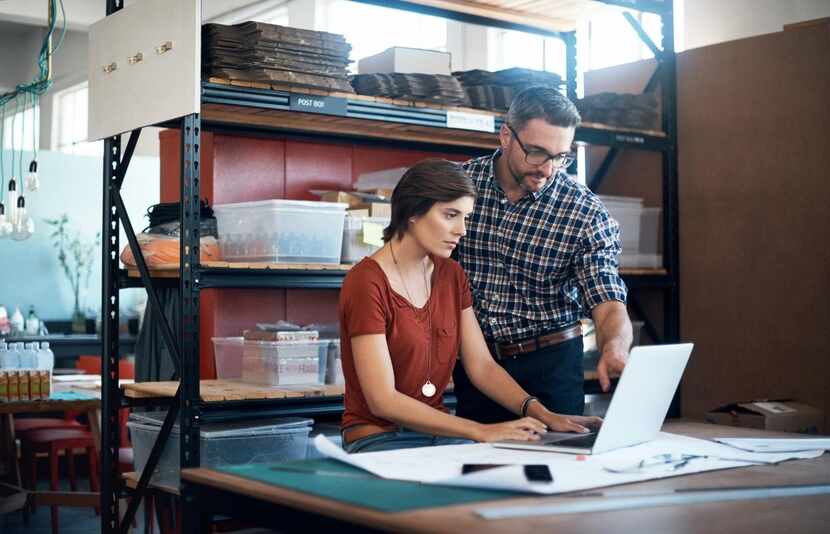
335,480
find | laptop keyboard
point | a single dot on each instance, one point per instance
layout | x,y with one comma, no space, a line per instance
582,441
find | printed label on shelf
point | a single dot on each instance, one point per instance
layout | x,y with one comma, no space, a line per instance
471,121
327,105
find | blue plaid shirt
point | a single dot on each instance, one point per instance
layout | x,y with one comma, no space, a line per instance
541,263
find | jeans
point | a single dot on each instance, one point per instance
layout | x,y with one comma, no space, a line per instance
553,374
402,439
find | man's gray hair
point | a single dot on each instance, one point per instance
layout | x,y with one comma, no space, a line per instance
546,103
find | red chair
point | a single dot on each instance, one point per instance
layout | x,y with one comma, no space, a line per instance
52,441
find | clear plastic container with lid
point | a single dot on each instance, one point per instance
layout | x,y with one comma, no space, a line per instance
280,363
280,231
233,443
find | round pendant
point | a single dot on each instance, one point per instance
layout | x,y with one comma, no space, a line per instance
428,389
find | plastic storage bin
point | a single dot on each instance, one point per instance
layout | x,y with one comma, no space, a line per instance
627,212
236,443
284,363
275,231
334,365
354,249
227,355
650,238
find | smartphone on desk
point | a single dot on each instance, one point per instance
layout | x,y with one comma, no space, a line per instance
533,472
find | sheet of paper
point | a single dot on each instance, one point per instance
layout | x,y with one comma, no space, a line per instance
777,444
442,465
373,234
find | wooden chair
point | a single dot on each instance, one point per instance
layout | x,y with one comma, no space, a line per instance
52,441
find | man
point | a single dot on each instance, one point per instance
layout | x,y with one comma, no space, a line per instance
540,252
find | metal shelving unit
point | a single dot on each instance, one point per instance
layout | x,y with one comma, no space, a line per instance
419,126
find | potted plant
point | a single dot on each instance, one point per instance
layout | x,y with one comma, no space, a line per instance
76,257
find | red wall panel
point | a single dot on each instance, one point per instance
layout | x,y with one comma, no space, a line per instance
250,169
311,165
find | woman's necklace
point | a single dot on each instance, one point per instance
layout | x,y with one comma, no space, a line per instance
428,389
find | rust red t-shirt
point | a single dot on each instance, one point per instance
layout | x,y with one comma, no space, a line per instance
369,305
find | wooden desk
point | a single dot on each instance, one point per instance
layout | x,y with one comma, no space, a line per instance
12,493
289,510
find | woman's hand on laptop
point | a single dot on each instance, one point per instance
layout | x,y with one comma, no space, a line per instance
572,423
524,429
563,423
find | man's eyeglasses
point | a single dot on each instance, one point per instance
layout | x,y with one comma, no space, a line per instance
537,156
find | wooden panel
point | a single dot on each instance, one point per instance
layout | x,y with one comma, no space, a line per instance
224,390
250,169
307,306
170,165
316,166
375,158
308,122
237,310
551,15
755,275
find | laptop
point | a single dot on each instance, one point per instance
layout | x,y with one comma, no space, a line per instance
637,410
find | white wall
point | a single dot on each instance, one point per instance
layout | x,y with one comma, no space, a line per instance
19,46
709,22
70,184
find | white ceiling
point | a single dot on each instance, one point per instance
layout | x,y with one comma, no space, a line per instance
81,13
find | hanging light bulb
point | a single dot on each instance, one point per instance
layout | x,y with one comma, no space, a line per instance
5,225
12,217
32,180
24,226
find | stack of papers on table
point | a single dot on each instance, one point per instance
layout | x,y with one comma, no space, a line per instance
442,465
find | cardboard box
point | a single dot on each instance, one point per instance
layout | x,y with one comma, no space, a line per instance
343,197
359,213
406,60
380,209
777,415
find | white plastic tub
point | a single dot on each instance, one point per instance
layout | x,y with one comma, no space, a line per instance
285,363
281,231
227,355
236,443
628,213
354,248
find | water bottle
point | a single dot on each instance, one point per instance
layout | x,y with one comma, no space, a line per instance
12,357
45,357
29,358
4,355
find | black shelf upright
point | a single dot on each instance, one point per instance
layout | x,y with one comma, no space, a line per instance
186,406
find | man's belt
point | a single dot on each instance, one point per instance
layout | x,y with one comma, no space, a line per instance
511,350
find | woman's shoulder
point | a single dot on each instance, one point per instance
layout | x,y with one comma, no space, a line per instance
365,272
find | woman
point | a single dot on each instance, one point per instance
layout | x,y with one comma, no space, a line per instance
406,313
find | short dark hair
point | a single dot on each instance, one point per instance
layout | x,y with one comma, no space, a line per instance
540,102
422,185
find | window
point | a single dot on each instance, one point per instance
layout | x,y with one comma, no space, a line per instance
518,49
69,122
612,41
371,29
605,40
17,127
278,16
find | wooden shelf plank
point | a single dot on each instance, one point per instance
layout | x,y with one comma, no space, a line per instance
131,481
172,270
638,271
227,390
355,127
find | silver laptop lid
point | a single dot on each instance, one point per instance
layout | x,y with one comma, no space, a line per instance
642,397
